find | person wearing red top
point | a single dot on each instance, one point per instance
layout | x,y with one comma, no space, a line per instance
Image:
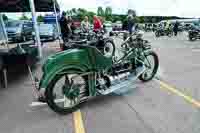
97,24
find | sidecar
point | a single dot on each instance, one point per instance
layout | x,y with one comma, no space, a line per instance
81,59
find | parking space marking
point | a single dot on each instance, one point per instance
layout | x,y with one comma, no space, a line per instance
78,122
177,92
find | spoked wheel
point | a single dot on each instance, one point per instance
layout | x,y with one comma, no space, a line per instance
109,49
66,92
151,63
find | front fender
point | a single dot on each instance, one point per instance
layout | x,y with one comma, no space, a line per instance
108,39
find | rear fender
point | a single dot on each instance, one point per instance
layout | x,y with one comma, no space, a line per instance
46,79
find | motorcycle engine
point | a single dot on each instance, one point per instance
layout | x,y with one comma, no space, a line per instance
103,83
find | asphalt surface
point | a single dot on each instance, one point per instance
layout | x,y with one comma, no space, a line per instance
145,108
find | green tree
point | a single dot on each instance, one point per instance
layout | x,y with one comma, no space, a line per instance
5,18
154,20
40,18
116,18
74,12
131,11
81,13
68,12
108,13
137,19
24,17
100,11
146,19
90,16
141,19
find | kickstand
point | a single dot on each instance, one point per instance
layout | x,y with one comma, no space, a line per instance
5,78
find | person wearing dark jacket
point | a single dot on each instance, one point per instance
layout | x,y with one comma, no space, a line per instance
65,27
125,25
130,23
175,28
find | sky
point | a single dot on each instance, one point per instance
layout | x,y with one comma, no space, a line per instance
181,8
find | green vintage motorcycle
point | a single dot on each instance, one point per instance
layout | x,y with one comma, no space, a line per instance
78,74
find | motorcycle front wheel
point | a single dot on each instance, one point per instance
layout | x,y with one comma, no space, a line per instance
64,93
151,63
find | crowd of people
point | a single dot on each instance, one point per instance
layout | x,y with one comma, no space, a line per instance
67,26
170,27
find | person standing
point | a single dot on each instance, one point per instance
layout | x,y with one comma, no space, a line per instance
130,23
65,27
85,26
175,28
97,24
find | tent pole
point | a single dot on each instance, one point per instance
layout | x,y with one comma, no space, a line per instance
4,30
58,27
34,19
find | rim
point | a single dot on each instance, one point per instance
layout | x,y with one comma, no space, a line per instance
63,98
149,63
108,49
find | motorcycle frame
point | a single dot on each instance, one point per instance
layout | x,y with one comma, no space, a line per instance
131,51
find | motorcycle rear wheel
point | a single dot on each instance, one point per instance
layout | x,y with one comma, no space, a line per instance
145,76
67,104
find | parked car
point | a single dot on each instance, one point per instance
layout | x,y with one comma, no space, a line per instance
47,32
194,32
108,26
117,26
19,31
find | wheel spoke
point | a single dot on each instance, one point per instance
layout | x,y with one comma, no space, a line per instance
69,89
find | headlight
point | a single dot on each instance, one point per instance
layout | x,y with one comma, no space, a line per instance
51,33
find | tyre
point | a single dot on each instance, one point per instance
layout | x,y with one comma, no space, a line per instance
170,34
71,93
157,34
190,38
149,74
53,38
109,48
